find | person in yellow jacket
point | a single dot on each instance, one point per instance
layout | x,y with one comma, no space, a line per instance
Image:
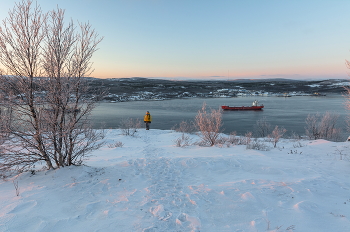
147,119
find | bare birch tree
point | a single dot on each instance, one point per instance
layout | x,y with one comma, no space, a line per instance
209,125
45,89
262,127
276,135
323,126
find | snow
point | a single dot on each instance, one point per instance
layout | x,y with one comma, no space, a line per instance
314,85
151,185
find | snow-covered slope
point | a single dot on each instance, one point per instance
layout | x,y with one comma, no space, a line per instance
150,185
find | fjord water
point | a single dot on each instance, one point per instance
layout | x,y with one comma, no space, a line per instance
287,112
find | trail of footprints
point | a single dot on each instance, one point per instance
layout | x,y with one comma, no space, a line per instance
166,198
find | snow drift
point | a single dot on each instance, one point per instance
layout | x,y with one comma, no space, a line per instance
151,185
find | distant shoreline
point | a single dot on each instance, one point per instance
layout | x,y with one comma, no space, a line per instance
142,89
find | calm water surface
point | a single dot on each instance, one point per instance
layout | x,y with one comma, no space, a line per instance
289,113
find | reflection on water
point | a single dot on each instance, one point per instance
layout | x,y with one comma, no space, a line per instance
289,113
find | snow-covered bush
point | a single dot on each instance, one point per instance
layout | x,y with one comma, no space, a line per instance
115,144
183,141
323,126
276,135
246,139
208,125
257,144
262,128
232,138
130,126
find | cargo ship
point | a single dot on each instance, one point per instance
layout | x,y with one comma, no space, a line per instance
255,106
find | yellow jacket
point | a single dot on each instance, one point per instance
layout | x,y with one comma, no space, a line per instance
147,118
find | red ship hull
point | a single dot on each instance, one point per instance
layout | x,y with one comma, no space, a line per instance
242,107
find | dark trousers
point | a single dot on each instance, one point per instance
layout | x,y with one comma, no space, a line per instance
147,125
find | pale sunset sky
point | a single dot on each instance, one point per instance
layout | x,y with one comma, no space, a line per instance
214,39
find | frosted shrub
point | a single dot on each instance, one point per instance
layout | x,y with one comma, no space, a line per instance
208,125
115,144
296,137
232,138
298,144
276,135
239,140
341,152
183,141
246,139
257,144
323,126
130,126
262,128
347,96
17,188
222,140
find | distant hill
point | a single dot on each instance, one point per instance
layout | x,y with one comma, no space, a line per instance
137,84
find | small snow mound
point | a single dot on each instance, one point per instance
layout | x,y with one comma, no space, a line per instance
306,206
247,196
189,221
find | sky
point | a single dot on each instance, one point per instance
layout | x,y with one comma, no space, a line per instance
202,39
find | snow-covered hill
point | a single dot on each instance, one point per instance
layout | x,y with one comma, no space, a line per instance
151,185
